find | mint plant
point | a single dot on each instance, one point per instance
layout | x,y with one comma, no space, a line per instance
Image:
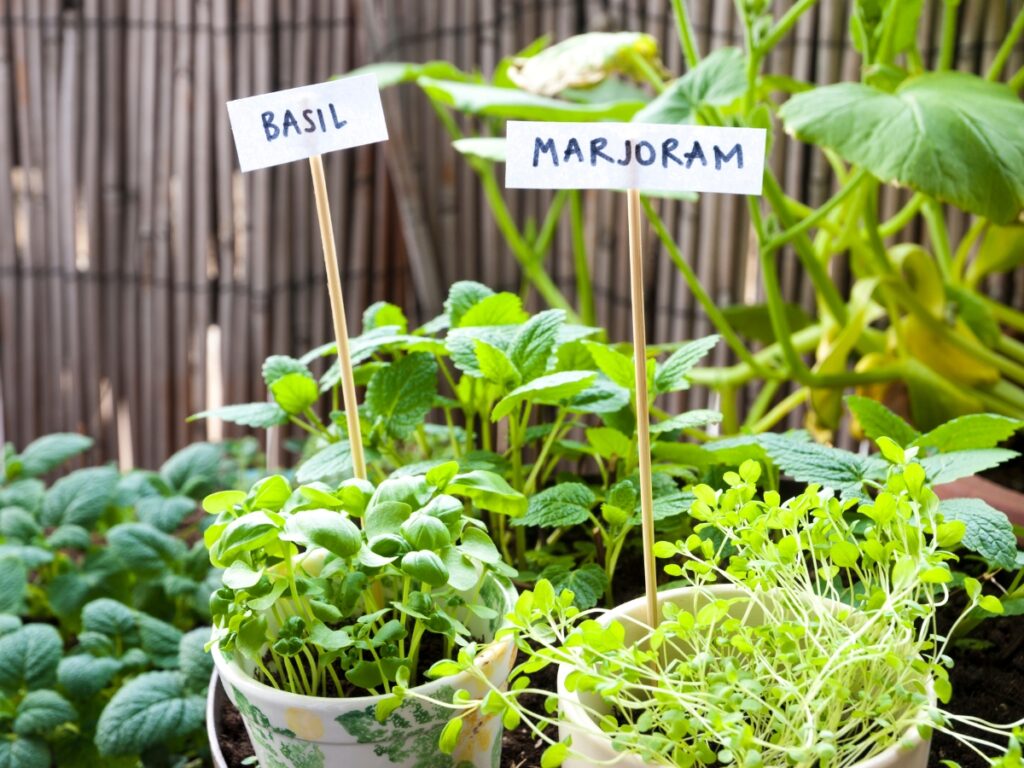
838,667
319,605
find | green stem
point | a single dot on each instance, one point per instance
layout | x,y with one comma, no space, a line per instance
803,341
764,398
936,222
950,12
584,283
687,40
785,406
531,481
1004,314
1006,48
1017,81
963,250
649,73
547,229
820,213
781,29
902,217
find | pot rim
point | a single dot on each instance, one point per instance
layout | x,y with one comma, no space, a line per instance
572,710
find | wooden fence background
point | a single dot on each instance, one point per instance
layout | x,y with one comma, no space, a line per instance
142,278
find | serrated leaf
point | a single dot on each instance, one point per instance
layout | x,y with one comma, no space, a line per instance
144,548
495,366
546,390
193,471
808,462
988,531
461,345
461,296
588,582
50,451
559,505
496,309
276,367
80,497
717,80
532,347
13,581
327,464
258,415
401,395
42,711
878,421
671,375
83,676
974,431
165,513
384,314
602,396
613,364
295,392
689,420
151,709
24,753
29,657
947,467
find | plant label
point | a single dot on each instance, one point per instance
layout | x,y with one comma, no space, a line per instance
284,126
643,156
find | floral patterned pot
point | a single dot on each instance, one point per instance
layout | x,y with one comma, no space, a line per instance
288,730
591,747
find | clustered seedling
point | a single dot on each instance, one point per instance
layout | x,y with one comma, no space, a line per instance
321,606
826,657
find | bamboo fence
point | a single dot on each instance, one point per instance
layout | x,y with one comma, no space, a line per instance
143,278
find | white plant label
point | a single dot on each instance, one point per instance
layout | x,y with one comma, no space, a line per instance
644,156
284,126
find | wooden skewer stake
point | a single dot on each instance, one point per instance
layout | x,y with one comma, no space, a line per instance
348,383
643,427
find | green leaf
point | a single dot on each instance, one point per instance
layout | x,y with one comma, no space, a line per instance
194,470
84,676
947,467
461,296
603,396
554,755
588,582
608,442
490,148
479,546
1001,249
495,366
159,640
808,462
988,531
80,497
532,347
426,566
559,505
951,135
19,524
26,493
243,534
546,390
165,513
257,415
391,73
144,548
754,320
69,537
382,314
276,367
326,465
13,582
320,528
109,617
151,709
671,375
976,430
878,421
295,392
50,451
512,104
40,712
583,61
270,493
488,491
496,309
718,80
24,753
29,657
401,395
689,420
615,365
195,663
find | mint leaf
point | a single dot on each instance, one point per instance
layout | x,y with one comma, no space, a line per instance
258,415
808,462
989,532
977,430
498,309
947,467
80,497
50,451
671,375
400,396
461,296
461,345
615,365
329,463
295,392
689,420
562,504
24,753
69,536
587,582
42,711
84,676
383,313
151,709
603,396
608,443
532,347
495,366
29,657
546,390
878,421
276,367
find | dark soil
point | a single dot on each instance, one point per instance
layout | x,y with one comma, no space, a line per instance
234,741
519,747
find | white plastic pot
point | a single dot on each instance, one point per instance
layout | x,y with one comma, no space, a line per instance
288,730
590,746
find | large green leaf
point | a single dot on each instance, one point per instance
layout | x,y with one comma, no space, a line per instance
488,491
29,657
948,134
546,390
152,708
400,395
259,415
718,80
562,504
81,497
512,104
988,531
50,451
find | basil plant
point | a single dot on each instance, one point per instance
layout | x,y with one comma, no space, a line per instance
334,591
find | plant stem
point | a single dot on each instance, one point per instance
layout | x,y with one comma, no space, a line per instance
788,404
803,341
1006,48
820,213
762,401
584,283
963,250
648,72
902,217
950,13
687,40
936,222
531,481
781,29
1017,81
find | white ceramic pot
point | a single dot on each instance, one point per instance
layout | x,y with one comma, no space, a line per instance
590,746
292,731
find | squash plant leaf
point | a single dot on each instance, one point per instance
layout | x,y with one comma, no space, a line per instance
951,135
718,80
